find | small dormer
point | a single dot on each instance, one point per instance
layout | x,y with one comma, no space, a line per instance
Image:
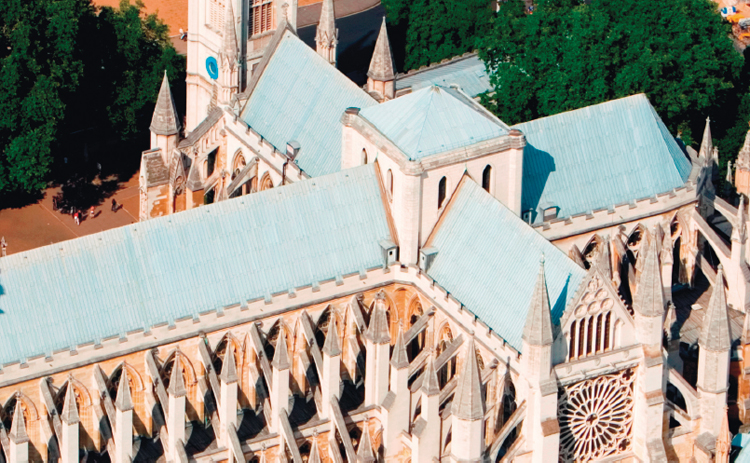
548,211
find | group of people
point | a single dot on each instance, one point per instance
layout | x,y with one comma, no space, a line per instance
77,216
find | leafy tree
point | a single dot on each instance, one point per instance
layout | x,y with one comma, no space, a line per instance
569,54
437,29
68,68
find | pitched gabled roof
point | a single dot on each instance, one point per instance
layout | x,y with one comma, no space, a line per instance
300,96
599,156
381,64
467,71
488,259
157,271
434,120
165,120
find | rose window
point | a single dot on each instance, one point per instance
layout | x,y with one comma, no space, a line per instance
596,417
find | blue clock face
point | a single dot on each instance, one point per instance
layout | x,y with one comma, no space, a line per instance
212,67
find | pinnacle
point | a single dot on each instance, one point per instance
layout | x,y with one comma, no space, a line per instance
399,359
165,120
18,429
377,331
229,368
229,44
314,453
381,65
124,400
364,452
281,356
70,408
649,296
326,29
430,384
706,142
538,328
467,403
715,335
331,347
176,382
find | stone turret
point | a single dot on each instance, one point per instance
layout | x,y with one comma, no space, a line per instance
229,75
468,410
165,124
707,143
381,78
326,34
378,346
649,303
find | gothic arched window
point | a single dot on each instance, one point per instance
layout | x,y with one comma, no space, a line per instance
487,178
442,187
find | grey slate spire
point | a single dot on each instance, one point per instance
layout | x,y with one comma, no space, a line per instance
229,47
325,32
176,382
364,452
467,403
715,335
229,368
381,65
165,120
281,356
399,359
706,143
18,429
538,328
377,331
124,401
649,296
331,346
70,408
314,452
430,384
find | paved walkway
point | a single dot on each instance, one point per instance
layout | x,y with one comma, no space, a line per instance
38,225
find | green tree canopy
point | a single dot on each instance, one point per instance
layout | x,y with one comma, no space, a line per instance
67,67
569,54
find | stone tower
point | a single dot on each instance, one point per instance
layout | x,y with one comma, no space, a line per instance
327,36
165,125
381,78
229,55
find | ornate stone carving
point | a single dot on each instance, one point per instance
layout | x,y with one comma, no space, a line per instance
596,417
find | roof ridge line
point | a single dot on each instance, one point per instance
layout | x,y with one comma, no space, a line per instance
424,121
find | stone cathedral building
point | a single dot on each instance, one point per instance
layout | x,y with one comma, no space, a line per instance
329,273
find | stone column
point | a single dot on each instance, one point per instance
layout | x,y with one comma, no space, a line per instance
123,432
177,400
329,383
228,406
397,413
468,411
426,432
70,419
280,389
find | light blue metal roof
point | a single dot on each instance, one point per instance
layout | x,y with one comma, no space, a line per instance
488,259
301,97
133,277
599,156
468,72
433,120
743,456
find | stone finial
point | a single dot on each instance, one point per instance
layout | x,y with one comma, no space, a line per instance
715,335
377,331
124,401
18,429
430,384
229,368
364,451
467,403
165,120
281,356
649,297
381,65
399,359
707,142
314,452
176,381
229,47
538,328
70,407
331,347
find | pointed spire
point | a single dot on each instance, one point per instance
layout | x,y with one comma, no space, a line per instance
70,408
377,331
18,429
124,401
729,178
325,32
723,440
314,452
364,451
399,359
467,403
715,335
229,47
331,347
229,368
430,384
649,296
165,120
281,356
707,142
743,157
381,65
538,328
176,382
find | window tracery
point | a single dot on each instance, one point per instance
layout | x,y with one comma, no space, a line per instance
591,332
596,417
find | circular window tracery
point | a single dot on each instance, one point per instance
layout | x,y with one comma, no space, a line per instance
596,417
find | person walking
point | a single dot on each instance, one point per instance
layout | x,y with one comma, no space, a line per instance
91,213
76,218
114,205
3,247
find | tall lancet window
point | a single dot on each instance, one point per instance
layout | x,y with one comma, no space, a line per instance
261,16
